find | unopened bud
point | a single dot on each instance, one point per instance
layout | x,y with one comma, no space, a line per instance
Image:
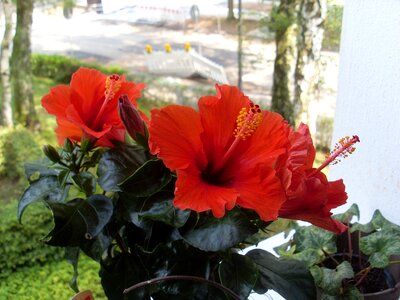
133,122
68,146
86,145
51,153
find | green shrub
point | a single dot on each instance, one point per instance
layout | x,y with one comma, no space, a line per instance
60,68
20,244
50,281
17,145
333,27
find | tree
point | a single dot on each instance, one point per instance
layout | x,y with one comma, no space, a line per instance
284,23
298,33
6,112
21,69
231,16
311,19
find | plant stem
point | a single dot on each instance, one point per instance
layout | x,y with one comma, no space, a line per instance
183,277
330,257
121,243
365,273
349,240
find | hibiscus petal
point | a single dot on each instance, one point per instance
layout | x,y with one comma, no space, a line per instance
320,219
66,129
218,117
175,137
57,101
262,193
336,194
87,93
74,117
193,193
302,150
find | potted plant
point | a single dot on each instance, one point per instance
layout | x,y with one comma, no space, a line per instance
361,263
164,205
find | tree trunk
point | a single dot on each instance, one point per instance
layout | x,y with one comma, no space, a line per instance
312,15
21,69
298,49
283,89
231,16
6,112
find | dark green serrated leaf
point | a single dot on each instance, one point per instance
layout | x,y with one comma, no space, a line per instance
148,179
121,272
346,217
330,280
86,181
79,220
45,189
207,234
312,237
380,246
72,256
117,164
290,278
238,273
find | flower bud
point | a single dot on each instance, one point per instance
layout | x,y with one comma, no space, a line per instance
133,122
51,153
86,145
68,146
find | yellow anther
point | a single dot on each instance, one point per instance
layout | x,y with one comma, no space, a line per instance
113,84
248,121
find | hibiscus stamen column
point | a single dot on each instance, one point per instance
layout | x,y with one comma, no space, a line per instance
246,124
342,149
112,86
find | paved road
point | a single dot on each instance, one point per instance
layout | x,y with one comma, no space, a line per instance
88,36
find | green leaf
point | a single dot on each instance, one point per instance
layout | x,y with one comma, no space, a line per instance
330,280
380,246
290,278
148,179
72,256
212,234
45,189
86,181
312,237
96,247
159,208
346,217
79,220
121,272
117,164
63,177
177,258
349,293
238,273
41,167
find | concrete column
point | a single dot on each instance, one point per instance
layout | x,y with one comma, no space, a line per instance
368,105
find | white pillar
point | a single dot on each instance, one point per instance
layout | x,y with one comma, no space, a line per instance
368,105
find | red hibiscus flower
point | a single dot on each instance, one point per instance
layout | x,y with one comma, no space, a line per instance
88,107
224,154
310,196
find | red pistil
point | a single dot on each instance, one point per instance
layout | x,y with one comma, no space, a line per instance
246,124
342,149
112,86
